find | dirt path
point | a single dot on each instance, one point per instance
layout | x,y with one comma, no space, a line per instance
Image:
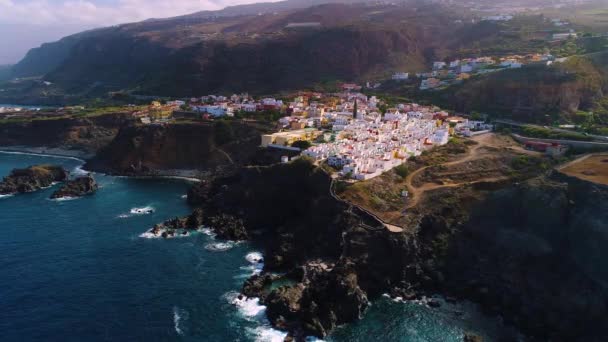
487,140
415,193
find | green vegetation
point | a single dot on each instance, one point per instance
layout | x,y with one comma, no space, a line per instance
266,115
546,133
301,144
520,162
402,171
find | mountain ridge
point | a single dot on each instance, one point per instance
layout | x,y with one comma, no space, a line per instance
256,53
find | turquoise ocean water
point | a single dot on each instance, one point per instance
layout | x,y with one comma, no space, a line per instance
79,270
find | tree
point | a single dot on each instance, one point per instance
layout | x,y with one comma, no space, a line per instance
402,171
301,144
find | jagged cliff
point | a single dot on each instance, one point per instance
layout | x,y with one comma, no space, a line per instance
530,252
205,146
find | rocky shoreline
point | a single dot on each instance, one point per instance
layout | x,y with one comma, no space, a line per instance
334,265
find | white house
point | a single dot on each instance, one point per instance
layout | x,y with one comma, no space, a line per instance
440,137
401,76
438,65
466,68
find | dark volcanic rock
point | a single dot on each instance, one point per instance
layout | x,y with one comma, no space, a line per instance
327,297
256,285
31,179
78,187
198,194
227,227
532,253
178,225
196,219
469,337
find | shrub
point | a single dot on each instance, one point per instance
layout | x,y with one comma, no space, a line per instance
301,144
402,171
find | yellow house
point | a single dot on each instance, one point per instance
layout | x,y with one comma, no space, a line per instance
288,138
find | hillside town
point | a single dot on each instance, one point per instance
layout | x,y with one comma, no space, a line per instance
445,74
358,135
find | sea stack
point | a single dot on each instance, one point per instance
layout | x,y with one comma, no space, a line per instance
77,187
32,179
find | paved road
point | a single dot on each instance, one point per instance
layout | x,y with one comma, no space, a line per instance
555,129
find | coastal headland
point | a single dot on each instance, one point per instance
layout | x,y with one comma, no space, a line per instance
484,220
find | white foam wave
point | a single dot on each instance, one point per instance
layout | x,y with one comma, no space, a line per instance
149,235
79,171
178,316
142,211
248,307
184,196
124,216
251,309
50,186
255,257
220,246
266,334
207,231
176,234
63,199
6,196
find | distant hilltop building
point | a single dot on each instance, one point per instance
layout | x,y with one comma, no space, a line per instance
303,26
501,17
401,76
564,36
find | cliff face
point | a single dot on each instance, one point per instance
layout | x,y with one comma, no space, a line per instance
531,253
203,146
198,54
88,134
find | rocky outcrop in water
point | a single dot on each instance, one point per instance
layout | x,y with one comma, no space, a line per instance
31,179
178,225
78,187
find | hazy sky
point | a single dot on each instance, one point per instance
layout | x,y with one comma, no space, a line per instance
28,23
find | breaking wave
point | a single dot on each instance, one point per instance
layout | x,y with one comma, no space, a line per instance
179,315
142,211
63,199
220,246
